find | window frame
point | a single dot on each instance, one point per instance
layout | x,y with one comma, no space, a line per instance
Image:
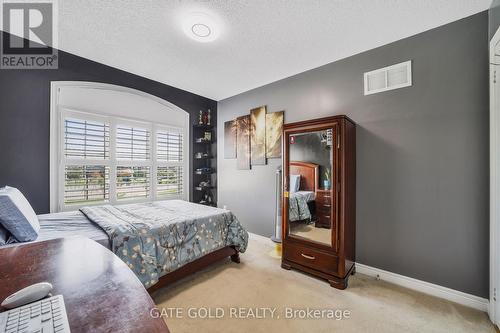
112,162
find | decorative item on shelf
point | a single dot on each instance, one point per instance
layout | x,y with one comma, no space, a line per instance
204,170
207,199
205,118
204,184
202,140
326,181
208,136
208,117
200,119
200,155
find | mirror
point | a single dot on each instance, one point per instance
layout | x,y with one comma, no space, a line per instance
310,201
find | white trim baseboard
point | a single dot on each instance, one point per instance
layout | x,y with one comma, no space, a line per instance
251,234
452,295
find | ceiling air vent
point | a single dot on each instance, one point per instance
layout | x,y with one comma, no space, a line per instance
388,78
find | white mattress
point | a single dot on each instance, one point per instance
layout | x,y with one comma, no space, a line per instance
310,195
68,224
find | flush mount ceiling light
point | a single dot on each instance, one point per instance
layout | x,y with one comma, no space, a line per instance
201,30
201,27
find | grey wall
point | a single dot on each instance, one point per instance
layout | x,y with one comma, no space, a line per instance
494,17
309,148
422,154
25,115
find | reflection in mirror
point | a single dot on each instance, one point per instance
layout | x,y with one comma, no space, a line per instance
310,195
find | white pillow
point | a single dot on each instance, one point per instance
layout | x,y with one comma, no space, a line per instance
294,183
17,216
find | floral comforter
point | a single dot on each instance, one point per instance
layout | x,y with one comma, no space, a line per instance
297,207
156,238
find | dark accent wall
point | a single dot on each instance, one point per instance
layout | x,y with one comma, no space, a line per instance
422,154
25,113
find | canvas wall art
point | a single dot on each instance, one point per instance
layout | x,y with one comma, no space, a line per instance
230,139
243,143
274,130
258,136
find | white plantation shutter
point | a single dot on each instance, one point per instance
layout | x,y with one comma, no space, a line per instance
132,182
169,156
169,146
86,139
132,143
169,180
86,153
86,184
111,160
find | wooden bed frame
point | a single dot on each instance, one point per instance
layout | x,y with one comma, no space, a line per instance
196,266
309,175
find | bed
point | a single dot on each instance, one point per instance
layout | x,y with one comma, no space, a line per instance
161,241
302,202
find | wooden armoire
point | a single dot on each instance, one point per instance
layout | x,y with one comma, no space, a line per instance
319,198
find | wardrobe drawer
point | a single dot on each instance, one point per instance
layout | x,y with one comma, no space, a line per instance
312,258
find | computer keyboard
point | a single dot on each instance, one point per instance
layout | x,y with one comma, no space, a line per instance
47,315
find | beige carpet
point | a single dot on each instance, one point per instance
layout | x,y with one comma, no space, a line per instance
375,306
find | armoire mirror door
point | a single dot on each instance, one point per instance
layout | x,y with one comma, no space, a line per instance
319,198
311,178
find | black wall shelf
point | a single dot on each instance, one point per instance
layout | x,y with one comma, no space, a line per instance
204,182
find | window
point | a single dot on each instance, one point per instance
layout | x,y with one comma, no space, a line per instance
116,160
169,155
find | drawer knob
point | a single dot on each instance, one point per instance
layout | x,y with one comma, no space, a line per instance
307,256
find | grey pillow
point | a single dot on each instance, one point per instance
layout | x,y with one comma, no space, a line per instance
4,236
294,183
17,216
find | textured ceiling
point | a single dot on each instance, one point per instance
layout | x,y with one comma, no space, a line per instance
261,41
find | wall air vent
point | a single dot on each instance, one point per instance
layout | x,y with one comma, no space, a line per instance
388,78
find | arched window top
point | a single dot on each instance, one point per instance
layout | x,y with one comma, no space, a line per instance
113,144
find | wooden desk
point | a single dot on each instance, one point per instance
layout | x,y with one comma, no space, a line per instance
100,292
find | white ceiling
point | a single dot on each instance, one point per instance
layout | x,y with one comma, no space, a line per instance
262,40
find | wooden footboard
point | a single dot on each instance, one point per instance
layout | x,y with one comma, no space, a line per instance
196,266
